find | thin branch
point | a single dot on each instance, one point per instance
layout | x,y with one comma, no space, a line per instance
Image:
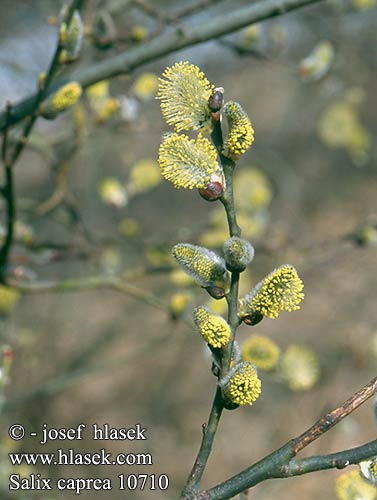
193,8
8,195
338,460
276,465
71,377
335,416
209,431
8,190
44,88
90,283
167,43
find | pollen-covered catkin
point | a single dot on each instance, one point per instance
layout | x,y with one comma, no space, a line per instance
184,92
61,100
299,367
351,486
241,132
280,291
212,327
243,386
261,351
188,163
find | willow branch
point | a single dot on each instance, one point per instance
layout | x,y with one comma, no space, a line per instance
209,431
70,377
44,89
7,192
10,160
89,283
168,42
280,464
335,416
338,460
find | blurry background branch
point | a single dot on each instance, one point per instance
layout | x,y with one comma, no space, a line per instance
168,42
77,370
10,158
90,283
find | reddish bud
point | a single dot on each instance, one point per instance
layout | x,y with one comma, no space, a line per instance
216,292
212,192
7,353
216,100
253,319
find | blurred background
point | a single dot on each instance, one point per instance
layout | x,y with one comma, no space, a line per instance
93,208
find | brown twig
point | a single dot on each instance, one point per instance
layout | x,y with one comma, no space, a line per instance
335,416
280,463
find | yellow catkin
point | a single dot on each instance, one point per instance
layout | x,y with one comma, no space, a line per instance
179,302
351,486
205,266
252,189
299,368
213,328
188,163
63,99
113,192
144,175
145,86
241,133
261,351
8,299
139,33
184,92
280,291
340,127
317,64
364,4
368,469
244,386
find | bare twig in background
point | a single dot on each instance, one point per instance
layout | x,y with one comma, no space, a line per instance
167,43
73,376
335,416
11,159
90,283
7,192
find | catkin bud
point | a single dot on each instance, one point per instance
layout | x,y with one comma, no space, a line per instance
216,100
368,469
206,267
214,189
252,318
238,253
63,99
351,486
299,368
72,37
